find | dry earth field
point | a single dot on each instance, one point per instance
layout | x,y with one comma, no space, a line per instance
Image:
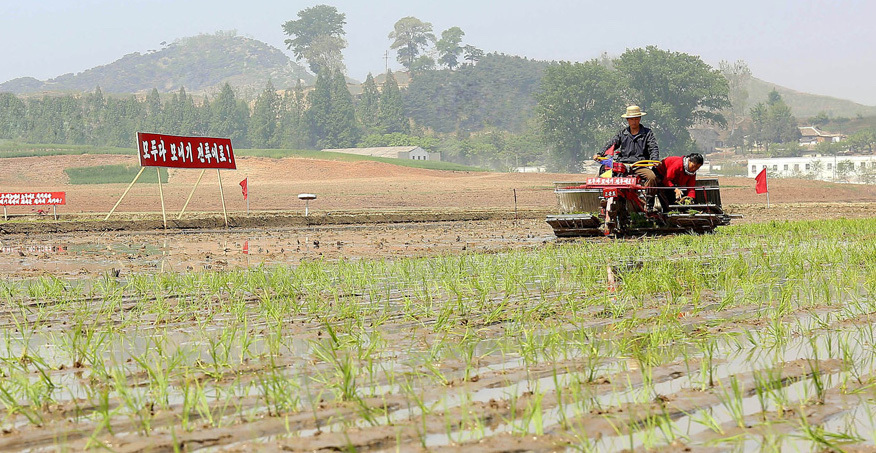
363,209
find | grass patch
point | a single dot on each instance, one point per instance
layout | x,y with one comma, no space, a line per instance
113,174
327,155
14,149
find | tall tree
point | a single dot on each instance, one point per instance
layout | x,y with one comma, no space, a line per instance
13,116
391,108
293,106
738,75
229,117
318,37
263,123
449,48
368,107
773,122
410,36
677,90
154,112
318,113
342,131
577,108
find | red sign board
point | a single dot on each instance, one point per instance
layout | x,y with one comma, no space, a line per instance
33,198
158,150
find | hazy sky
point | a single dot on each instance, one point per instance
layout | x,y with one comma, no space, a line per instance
822,47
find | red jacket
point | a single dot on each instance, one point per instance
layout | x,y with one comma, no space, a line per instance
671,170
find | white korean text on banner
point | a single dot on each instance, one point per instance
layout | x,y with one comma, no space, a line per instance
159,150
33,198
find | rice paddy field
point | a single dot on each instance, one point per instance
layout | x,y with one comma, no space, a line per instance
758,337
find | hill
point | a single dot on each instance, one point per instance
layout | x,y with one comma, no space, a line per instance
807,105
199,63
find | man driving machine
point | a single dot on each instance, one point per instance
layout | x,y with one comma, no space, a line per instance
632,144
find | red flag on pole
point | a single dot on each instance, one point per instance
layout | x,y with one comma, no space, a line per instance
761,184
243,187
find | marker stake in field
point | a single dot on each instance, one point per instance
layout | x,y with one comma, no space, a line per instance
191,193
161,195
222,197
125,193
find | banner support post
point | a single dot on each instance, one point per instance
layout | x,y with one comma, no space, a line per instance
161,195
4,213
192,193
222,196
126,192
55,211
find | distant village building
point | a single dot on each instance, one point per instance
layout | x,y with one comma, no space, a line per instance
811,136
391,152
530,169
854,169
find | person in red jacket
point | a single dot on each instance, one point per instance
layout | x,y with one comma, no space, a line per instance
679,173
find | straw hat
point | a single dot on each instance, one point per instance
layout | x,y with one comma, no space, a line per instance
634,111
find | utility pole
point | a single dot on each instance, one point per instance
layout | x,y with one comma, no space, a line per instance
386,61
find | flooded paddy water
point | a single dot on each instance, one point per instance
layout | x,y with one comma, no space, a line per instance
440,336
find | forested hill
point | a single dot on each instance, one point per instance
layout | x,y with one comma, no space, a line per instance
200,64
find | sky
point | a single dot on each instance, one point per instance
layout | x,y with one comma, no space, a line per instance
820,47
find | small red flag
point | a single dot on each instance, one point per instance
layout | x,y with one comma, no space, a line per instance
761,184
243,187
246,247
610,151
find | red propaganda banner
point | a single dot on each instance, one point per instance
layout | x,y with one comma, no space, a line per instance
33,199
158,150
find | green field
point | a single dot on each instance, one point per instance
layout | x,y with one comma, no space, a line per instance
113,174
758,337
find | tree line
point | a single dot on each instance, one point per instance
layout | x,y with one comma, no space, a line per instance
324,117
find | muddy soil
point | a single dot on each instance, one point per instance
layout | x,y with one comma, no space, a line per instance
79,248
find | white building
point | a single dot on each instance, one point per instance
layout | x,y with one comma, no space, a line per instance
856,169
392,152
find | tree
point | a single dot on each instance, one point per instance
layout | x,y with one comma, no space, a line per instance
319,110
293,133
410,36
448,47
820,120
738,75
862,140
318,37
391,111
472,54
368,107
229,117
342,131
154,112
263,131
331,118
772,122
13,115
676,90
577,108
